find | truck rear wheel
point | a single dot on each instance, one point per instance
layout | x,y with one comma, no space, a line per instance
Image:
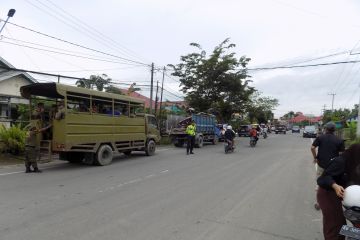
104,155
150,148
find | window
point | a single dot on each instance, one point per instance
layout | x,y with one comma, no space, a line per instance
136,108
102,106
78,103
152,122
121,108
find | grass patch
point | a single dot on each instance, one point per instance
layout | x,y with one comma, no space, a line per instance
165,140
9,159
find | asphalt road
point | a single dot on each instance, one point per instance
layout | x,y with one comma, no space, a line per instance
266,192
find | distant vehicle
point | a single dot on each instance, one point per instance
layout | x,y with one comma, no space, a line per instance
310,131
280,129
272,128
205,130
295,129
244,131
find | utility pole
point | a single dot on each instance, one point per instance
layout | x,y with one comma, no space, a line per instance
324,109
162,90
156,97
151,87
332,102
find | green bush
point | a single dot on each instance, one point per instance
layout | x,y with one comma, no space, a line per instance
13,139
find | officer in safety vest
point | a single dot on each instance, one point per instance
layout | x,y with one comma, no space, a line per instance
191,132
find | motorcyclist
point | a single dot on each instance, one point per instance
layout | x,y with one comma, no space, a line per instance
254,133
230,135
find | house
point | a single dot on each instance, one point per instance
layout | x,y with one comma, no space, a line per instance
10,83
168,105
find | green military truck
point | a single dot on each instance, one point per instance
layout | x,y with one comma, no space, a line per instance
91,126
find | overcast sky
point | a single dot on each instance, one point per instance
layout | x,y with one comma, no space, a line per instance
271,32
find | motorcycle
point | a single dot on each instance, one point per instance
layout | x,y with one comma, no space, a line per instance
228,147
351,213
264,134
252,141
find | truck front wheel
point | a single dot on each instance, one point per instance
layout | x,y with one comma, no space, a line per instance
150,148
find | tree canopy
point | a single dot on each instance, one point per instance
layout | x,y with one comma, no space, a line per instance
260,107
218,81
99,82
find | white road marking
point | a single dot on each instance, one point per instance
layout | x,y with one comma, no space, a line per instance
316,220
136,180
161,150
9,173
149,176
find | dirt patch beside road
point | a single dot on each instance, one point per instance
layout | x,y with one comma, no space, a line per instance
9,159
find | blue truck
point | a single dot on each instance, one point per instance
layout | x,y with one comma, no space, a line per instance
206,130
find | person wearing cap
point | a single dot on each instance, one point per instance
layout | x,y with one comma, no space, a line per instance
191,132
328,145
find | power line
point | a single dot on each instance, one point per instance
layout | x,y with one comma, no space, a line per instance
75,44
67,54
78,78
47,46
318,58
72,25
103,36
301,66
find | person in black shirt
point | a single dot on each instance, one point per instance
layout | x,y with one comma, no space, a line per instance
341,172
329,146
230,135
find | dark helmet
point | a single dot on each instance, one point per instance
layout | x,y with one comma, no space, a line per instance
330,126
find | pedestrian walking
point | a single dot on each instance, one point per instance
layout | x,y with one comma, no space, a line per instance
191,132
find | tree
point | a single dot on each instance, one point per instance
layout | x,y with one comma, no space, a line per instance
260,107
218,81
100,82
289,115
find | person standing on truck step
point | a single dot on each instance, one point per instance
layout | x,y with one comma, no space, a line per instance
191,132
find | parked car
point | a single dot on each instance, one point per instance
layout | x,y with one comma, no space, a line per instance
310,131
280,129
295,129
244,131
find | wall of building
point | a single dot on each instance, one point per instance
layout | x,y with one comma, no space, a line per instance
12,85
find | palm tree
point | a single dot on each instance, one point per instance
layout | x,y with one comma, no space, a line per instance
98,81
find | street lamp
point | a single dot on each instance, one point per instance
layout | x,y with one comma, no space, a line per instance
9,15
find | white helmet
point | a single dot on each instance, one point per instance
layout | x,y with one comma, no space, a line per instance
229,127
352,196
